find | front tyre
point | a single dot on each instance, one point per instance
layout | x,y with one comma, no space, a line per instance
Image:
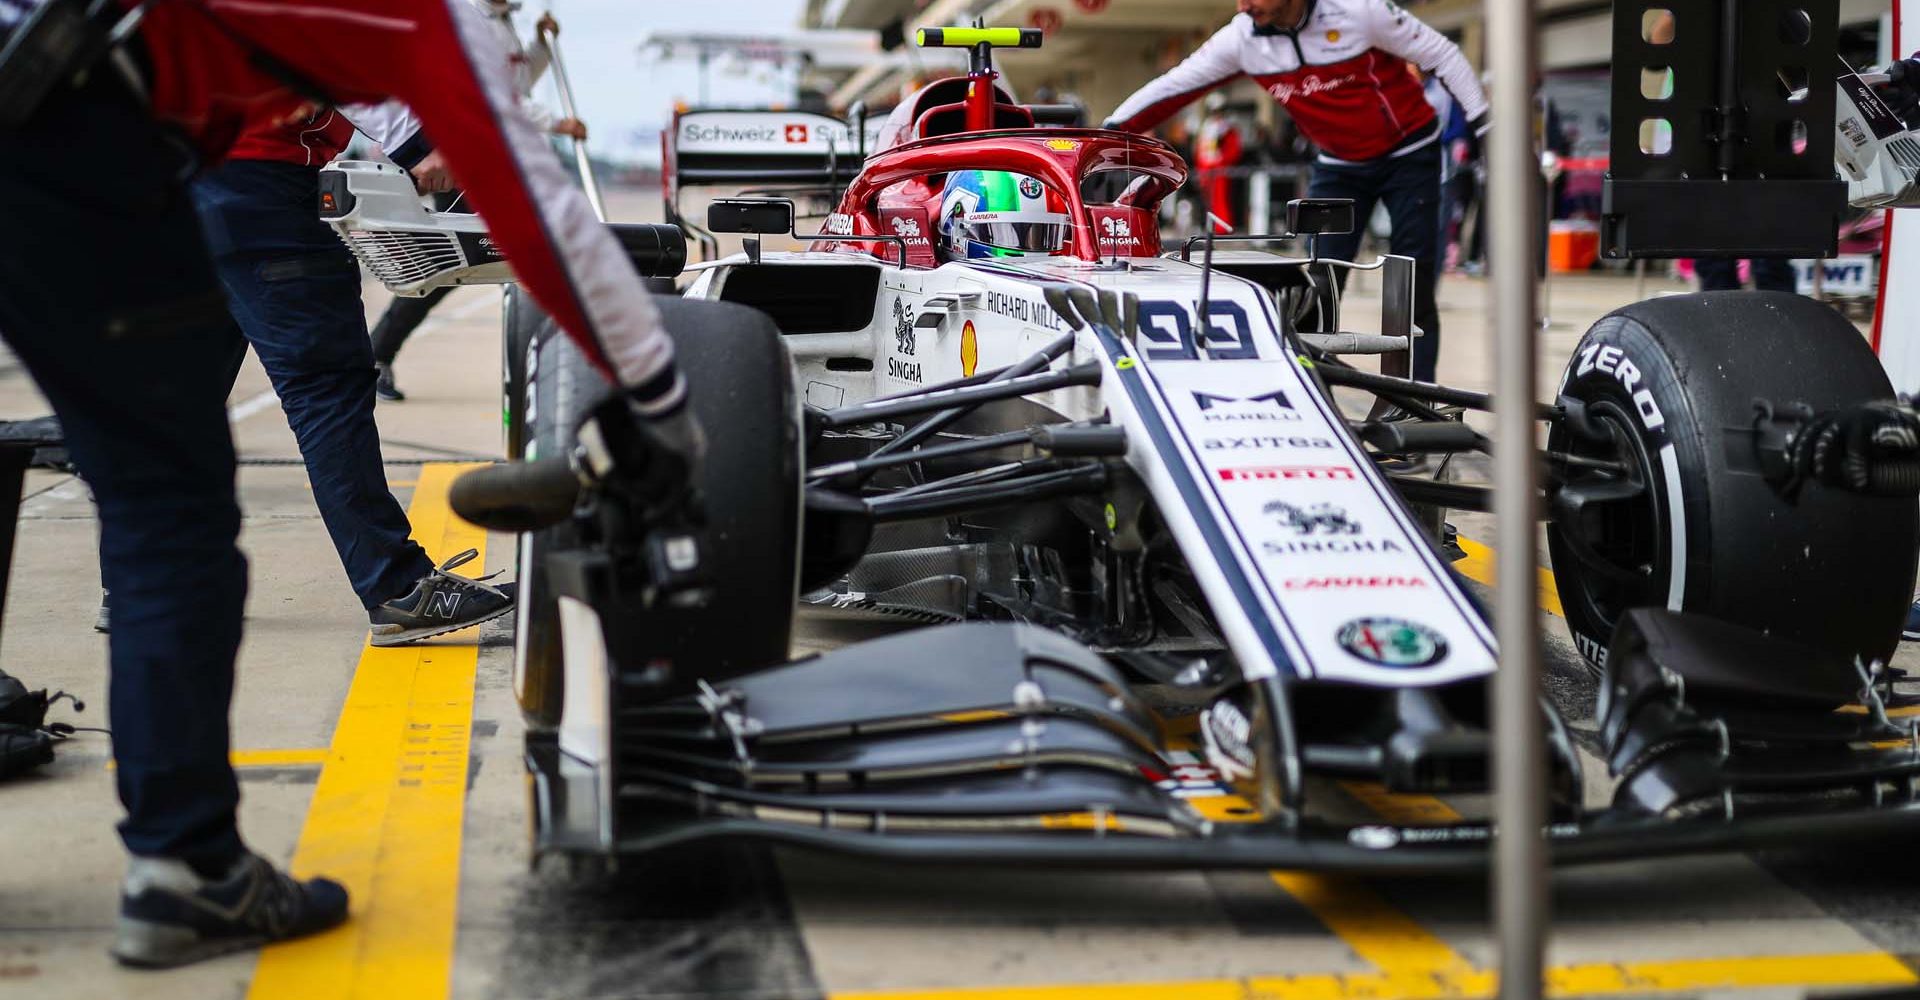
1682,519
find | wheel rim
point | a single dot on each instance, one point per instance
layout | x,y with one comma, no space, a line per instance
1610,522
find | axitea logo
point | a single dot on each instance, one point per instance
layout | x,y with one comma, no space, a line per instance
1354,583
1261,473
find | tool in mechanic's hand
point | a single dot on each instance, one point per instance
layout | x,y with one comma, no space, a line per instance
652,464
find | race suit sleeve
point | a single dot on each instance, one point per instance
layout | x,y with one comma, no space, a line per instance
1211,65
441,59
393,126
1406,36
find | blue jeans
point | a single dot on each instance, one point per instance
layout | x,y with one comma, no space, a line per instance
1410,188
1722,274
114,308
295,291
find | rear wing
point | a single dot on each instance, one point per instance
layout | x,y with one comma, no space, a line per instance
760,152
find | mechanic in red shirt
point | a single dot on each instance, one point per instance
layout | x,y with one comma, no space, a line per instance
1338,67
109,299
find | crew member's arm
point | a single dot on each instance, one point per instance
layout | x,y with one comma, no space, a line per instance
395,129
460,85
1411,39
1213,64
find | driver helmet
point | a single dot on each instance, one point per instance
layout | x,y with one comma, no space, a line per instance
993,213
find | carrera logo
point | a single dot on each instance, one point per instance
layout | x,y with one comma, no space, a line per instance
1321,517
796,133
1256,473
1354,583
1285,91
1613,361
1216,408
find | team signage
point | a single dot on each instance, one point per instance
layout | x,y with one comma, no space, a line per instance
760,133
1359,595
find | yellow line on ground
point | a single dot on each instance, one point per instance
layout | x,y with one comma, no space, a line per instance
1407,810
387,811
278,758
1598,979
1478,566
1406,953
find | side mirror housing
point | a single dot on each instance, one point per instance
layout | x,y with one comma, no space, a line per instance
753,216
1319,216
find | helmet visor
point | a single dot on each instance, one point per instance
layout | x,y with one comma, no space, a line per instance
1024,232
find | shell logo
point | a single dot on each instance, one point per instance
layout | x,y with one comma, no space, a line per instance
1333,36
969,349
1063,145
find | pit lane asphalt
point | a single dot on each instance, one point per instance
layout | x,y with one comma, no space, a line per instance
745,922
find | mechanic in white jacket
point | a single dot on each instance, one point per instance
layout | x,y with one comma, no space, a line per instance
1339,67
527,64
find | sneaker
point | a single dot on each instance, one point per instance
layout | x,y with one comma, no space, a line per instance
102,619
383,386
440,602
170,915
1911,632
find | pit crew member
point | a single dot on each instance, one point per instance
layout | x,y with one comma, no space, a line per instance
1338,68
115,308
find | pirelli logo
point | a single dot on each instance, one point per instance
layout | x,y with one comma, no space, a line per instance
1249,473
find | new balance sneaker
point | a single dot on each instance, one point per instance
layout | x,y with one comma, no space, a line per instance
383,385
171,915
440,602
1911,632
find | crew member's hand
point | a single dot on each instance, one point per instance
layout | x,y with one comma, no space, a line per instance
546,25
1902,89
573,127
431,175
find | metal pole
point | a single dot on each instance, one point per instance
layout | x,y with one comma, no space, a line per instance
587,181
1520,753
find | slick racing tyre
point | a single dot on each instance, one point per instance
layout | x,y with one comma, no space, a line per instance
740,381
520,321
1663,391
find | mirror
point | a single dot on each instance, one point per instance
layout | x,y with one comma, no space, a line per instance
759,216
1320,216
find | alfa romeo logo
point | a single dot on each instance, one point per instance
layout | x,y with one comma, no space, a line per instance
1393,642
1031,187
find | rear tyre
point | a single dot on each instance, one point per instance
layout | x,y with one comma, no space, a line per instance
1667,385
740,381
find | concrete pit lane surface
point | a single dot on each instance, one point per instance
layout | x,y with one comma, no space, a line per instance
399,771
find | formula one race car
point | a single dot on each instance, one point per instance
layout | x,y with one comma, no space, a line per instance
1171,559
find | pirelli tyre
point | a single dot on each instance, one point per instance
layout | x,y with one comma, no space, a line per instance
1660,503
520,321
740,378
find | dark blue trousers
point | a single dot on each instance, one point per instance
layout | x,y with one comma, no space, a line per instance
1410,188
295,291
1722,274
108,298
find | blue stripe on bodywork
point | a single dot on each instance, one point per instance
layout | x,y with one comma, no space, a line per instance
1132,379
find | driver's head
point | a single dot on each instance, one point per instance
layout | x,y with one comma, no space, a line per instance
993,213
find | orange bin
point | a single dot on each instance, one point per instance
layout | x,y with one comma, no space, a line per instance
1573,244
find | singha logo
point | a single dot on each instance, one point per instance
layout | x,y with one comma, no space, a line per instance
903,336
1321,517
1117,232
906,228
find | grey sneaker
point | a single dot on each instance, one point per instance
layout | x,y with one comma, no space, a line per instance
440,602
170,915
383,386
